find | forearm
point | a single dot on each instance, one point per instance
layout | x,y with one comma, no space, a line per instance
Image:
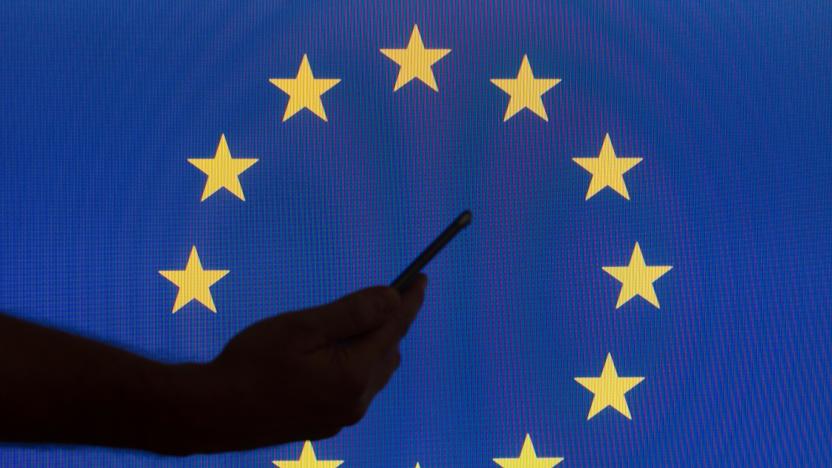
60,388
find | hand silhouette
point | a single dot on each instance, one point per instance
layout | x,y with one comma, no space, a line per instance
299,375
307,374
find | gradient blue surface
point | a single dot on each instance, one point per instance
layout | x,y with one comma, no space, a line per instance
729,104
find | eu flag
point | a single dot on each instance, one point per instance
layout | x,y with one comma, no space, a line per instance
646,281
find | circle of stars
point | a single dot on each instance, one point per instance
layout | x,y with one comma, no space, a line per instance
525,92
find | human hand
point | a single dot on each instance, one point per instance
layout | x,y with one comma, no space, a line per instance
306,374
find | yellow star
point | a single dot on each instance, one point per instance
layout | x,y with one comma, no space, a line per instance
526,91
607,170
415,61
304,90
528,458
307,460
194,283
223,171
609,389
637,278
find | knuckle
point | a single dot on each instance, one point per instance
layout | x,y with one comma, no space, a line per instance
324,431
332,432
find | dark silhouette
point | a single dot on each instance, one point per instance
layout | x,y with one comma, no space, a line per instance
299,375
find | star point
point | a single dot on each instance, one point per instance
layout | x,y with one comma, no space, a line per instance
609,389
304,91
307,460
637,278
194,282
528,458
415,61
607,170
526,91
223,171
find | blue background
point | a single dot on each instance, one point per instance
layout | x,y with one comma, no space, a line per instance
728,102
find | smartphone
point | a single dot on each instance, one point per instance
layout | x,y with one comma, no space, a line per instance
402,282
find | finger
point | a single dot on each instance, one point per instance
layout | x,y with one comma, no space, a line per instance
360,312
412,302
351,315
378,342
381,377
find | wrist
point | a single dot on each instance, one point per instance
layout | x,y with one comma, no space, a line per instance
185,398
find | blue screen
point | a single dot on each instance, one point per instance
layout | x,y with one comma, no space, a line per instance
649,183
